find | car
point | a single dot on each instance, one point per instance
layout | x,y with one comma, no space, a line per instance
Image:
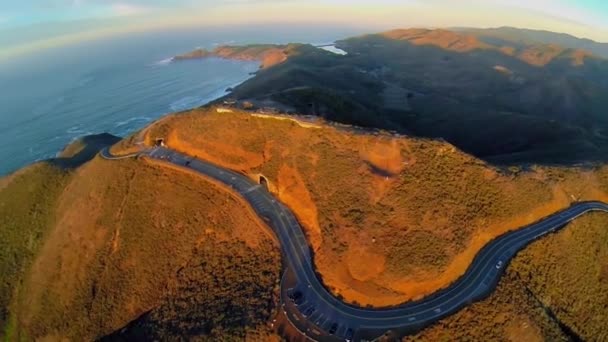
295,295
309,311
188,163
333,328
499,265
298,298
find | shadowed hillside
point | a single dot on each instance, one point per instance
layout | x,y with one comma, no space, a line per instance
503,102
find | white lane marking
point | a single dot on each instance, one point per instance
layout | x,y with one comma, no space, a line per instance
252,189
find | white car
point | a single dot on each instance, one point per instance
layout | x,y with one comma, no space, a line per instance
499,265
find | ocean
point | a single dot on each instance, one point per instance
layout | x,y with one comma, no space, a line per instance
120,85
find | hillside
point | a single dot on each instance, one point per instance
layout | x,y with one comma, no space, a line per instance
519,36
503,102
268,54
533,53
554,290
87,251
389,218
27,210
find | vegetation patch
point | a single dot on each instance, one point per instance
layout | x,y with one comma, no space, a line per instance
222,293
130,238
27,211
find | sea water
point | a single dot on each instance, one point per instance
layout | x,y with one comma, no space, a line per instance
118,85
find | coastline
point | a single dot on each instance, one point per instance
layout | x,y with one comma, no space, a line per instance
143,110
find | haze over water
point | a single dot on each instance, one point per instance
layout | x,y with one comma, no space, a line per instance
119,85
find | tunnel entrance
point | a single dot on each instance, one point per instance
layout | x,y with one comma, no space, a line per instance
264,182
159,142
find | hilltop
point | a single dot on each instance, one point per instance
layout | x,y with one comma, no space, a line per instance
392,218
403,216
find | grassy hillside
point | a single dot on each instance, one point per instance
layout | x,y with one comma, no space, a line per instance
119,240
220,294
568,274
268,54
28,202
28,205
555,290
511,313
389,219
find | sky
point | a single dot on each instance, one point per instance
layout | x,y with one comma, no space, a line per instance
30,25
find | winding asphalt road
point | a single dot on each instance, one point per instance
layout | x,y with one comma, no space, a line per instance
337,320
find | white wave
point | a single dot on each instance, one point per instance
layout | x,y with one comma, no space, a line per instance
186,103
224,43
164,62
334,49
135,119
75,130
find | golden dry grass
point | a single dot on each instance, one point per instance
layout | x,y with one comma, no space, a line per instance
568,273
509,314
565,273
28,199
124,229
422,208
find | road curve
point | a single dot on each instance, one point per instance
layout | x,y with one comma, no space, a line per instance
337,320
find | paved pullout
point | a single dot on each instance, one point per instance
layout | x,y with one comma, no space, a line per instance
337,320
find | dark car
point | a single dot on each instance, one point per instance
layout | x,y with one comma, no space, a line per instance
333,329
309,311
290,293
295,296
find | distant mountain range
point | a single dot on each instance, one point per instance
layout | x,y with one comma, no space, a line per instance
534,53
505,95
513,35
